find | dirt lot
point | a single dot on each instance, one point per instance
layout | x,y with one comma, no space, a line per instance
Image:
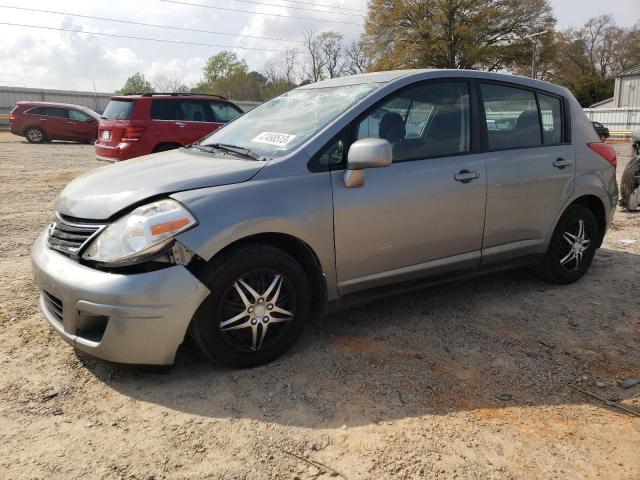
466,380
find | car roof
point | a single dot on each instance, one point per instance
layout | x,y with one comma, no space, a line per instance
195,96
60,105
425,74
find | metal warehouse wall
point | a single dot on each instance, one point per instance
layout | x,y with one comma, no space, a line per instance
98,101
627,91
10,95
625,118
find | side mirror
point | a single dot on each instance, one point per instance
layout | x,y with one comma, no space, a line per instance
366,153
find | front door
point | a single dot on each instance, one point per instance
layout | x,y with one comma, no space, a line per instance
424,214
530,170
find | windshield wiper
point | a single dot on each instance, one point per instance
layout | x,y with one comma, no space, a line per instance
202,147
245,152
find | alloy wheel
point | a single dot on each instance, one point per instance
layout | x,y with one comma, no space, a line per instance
34,135
573,245
256,310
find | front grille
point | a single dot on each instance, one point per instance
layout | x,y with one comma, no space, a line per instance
69,237
54,305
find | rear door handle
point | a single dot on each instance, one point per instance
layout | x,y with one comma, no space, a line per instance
180,124
561,163
465,176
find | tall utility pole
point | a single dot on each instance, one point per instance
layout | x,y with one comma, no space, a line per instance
534,49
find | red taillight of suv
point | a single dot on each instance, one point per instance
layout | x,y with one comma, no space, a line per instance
12,116
606,151
132,134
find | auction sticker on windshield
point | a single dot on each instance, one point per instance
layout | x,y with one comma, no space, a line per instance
271,138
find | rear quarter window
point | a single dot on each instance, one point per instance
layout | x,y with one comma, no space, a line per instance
119,110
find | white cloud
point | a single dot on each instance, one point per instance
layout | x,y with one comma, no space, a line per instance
52,59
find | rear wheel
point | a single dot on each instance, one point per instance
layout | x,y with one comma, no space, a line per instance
35,135
572,246
258,306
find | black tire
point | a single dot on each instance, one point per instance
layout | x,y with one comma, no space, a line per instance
551,268
35,135
630,184
250,263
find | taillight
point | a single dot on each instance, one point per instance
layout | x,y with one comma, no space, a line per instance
606,151
12,116
132,134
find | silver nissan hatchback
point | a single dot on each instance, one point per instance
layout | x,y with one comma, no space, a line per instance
331,194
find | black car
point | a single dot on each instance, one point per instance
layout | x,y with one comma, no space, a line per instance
601,130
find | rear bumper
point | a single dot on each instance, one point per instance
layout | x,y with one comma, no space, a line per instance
121,151
134,319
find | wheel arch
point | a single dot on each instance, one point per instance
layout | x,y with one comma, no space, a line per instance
44,132
294,246
596,206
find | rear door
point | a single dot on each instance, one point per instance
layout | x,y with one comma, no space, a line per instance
81,127
530,168
56,123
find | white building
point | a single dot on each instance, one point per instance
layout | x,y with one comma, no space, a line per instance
621,113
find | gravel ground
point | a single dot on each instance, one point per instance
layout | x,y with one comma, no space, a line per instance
466,380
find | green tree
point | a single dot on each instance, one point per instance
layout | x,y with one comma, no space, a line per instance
484,34
136,84
589,56
222,65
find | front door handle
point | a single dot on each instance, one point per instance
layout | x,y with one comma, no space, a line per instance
561,163
180,124
465,176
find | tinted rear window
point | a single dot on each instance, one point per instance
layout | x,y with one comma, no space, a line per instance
119,110
49,111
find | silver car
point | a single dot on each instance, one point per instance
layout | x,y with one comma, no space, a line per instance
332,194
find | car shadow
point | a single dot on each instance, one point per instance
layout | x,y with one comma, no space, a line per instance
482,344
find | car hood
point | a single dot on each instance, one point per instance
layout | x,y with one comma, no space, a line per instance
102,193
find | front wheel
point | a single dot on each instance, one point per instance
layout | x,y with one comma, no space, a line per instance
572,246
259,303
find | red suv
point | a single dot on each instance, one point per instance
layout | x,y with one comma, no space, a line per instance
134,125
41,122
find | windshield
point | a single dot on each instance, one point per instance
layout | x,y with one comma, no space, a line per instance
278,126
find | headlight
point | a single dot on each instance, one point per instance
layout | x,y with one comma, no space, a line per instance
140,234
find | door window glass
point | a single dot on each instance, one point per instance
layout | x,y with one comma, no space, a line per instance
194,111
551,113
49,111
224,112
163,110
76,115
423,121
512,117
36,111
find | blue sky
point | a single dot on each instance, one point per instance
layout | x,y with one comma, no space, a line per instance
53,59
